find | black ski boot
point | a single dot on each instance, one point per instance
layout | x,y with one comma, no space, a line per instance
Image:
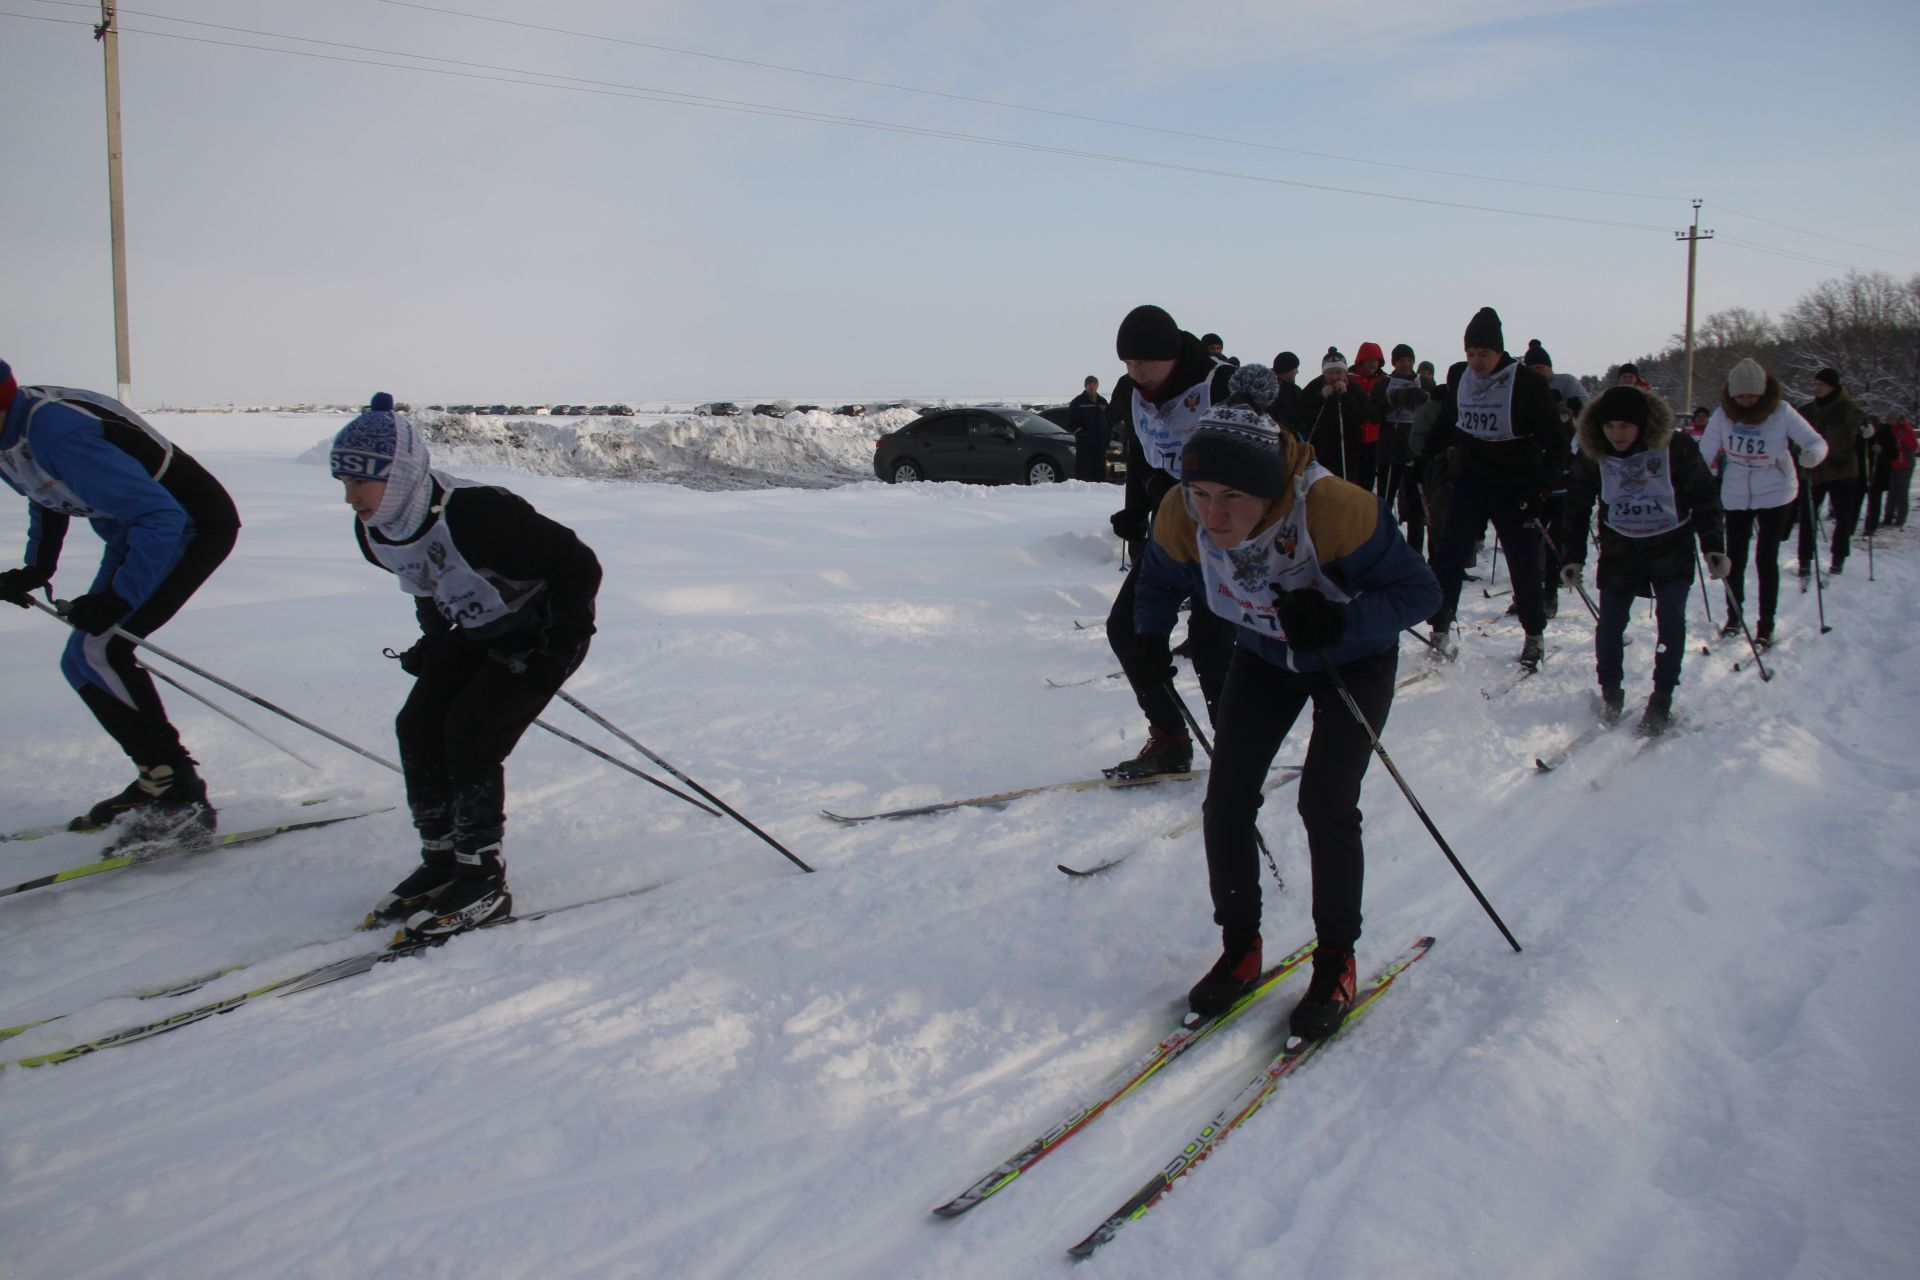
1329,996
1658,716
476,894
1165,752
435,872
1613,705
166,802
1763,635
1232,975
1731,630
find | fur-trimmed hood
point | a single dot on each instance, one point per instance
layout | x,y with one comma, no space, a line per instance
1657,434
1762,409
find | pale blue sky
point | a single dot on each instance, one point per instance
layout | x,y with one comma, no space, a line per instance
304,229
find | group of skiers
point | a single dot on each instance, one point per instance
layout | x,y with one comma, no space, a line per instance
1276,512
504,598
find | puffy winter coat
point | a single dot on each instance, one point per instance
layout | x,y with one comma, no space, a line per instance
1748,450
1635,564
1838,420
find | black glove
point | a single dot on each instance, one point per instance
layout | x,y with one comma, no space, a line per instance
1148,662
421,655
18,585
1310,620
1130,525
96,612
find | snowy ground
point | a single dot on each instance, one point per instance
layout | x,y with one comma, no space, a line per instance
1697,1068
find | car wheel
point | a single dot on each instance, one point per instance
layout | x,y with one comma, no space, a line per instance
1043,471
906,471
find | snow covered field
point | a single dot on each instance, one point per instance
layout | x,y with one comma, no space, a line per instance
1699,1067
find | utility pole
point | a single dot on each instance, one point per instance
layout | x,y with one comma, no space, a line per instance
1693,237
109,37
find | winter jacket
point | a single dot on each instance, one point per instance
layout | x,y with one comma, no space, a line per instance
1635,564
72,452
1359,550
512,545
1370,427
1747,448
1333,425
1392,403
1905,444
1534,460
1087,414
1147,479
1838,420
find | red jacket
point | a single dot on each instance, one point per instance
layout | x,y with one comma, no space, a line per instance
1905,444
1369,431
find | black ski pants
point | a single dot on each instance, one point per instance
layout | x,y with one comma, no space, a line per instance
1513,512
1768,527
1845,496
456,729
96,664
1257,710
1209,647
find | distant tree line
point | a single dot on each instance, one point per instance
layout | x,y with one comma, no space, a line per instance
1866,325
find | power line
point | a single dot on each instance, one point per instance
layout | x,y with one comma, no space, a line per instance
1792,255
575,84
1816,234
1015,106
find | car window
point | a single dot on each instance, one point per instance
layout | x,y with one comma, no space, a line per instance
952,424
1033,424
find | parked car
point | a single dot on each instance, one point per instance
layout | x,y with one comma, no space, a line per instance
993,445
769,411
720,409
852,411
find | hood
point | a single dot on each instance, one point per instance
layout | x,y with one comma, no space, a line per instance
1371,351
1761,411
1657,435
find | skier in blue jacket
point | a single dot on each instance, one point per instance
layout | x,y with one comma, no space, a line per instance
167,525
1313,574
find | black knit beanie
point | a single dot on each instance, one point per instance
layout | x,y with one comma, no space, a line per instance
1484,330
1536,354
1237,444
1148,333
1402,349
1286,362
1621,404
1830,376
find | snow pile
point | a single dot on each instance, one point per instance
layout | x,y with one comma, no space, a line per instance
1700,1066
805,450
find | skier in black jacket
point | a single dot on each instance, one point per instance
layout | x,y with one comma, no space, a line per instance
1656,498
504,597
1504,423
1169,385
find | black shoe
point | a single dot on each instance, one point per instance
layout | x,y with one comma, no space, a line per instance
1164,753
159,789
1551,605
1658,716
1329,996
1232,975
476,894
1804,571
1731,629
1613,705
1835,569
422,884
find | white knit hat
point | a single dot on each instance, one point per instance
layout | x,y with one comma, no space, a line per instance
1746,379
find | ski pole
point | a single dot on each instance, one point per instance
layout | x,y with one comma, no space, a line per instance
1432,830
215,707
1819,582
58,610
1493,571
616,761
1554,550
1741,614
1201,738
637,745
1700,575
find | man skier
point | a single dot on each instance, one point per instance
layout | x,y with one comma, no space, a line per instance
504,597
167,524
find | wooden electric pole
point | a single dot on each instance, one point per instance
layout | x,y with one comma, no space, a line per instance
109,37
1693,237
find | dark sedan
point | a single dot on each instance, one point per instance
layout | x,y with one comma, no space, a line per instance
992,445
